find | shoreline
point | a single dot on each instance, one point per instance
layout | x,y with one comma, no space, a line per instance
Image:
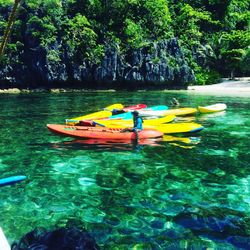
239,86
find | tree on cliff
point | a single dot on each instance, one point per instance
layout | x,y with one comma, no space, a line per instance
80,31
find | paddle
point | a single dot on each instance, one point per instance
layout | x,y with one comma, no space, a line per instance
11,180
99,124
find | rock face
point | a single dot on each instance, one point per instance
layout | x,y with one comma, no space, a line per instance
161,64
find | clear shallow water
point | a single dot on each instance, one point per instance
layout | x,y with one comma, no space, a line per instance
180,193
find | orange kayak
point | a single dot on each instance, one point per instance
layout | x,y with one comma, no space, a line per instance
101,132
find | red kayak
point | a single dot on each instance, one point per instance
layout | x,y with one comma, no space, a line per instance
135,107
101,132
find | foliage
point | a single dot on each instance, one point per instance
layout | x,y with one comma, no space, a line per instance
246,62
82,39
206,77
6,2
42,29
233,47
135,34
83,28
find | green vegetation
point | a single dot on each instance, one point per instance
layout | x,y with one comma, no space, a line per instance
214,34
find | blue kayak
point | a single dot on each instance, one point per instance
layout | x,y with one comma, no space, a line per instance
128,115
124,116
154,108
11,180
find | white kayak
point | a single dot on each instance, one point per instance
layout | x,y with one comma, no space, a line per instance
212,108
4,245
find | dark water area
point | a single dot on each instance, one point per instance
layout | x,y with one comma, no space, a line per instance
188,191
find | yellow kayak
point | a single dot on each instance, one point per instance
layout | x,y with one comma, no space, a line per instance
171,128
178,128
212,108
106,112
181,111
129,123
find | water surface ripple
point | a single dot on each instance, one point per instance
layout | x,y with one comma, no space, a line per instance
174,194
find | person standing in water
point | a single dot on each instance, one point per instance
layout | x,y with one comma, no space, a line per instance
175,102
137,121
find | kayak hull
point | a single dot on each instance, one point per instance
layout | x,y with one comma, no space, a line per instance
101,133
181,111
129,123
11,180
151,111
172,128
96,115
135,107
218,107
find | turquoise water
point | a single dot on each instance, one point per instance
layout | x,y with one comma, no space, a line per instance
186,192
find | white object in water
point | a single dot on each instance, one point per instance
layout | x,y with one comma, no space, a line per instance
4,245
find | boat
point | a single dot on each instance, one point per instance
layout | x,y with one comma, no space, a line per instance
159,107
218,107
134,107
172,128
181,111
151,111
101,132
4,245
106,112
11,180
129,123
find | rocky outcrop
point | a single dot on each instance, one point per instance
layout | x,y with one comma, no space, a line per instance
161,64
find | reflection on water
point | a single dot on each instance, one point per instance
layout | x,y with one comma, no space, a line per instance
116,145
188,191
107,144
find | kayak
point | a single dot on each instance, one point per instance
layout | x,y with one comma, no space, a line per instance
178,128
157,112
96,115
129,123
212,108
181,111
135,107
101,132
151,111
159,107
171,128
4,245
124,116
11,180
